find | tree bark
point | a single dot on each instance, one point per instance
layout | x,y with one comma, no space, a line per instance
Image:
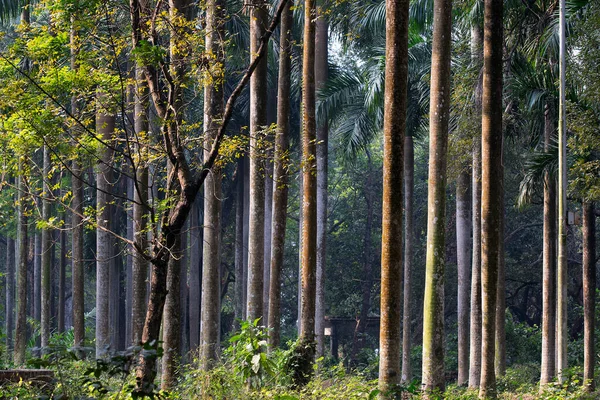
321,72
475,332
491,188
258,120
171,321
589,295
280,177
195,275
463,238
394,131
239,305
105,126
562,337
211,257
549,266
46,254
409,234
21,326
500,356
433,306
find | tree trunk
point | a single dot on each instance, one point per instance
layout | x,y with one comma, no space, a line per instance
10,293
589,294
475,333
562,337
239,305
500,356
195,275
433,306
463,237
394,131
62,278
549,265
105,126
258,120
46,254
280,177
171,320
492,189
321,69
268,229
21,328
409,181
246,231
211,257
184,343
140,214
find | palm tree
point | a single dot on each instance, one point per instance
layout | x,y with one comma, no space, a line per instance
433,307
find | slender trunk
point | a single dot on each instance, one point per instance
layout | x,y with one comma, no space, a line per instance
258,120
46,254
195,288
463,237
394,131
268,230
589,294
105,126
184,343
492,188
475,331
549,265
433,306
246,231
280,177
62,270
139,270
10,293
321,69
211,268
170,326
562,337
409,181
239,244
21,326
309,181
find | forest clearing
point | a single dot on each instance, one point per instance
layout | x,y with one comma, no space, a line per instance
286,199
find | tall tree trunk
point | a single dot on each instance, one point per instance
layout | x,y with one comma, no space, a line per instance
280,177
589,295
62,270
9,318
195,291
46,253
321,72
130,254
549,265
394,131
433,306
492,188
562,337
246,231
21,326
184,341
105,126
239,305
139,270
211,257
409,232
171,320
463,238
258,120
500,356
475,331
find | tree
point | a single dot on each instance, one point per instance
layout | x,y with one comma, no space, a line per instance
561,278
9,318
46,250
433,307
589,294
105,126
211,277
258,121
21,328
280,176
463,236
491,188
394,130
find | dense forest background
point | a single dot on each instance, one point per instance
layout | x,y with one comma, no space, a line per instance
193,188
